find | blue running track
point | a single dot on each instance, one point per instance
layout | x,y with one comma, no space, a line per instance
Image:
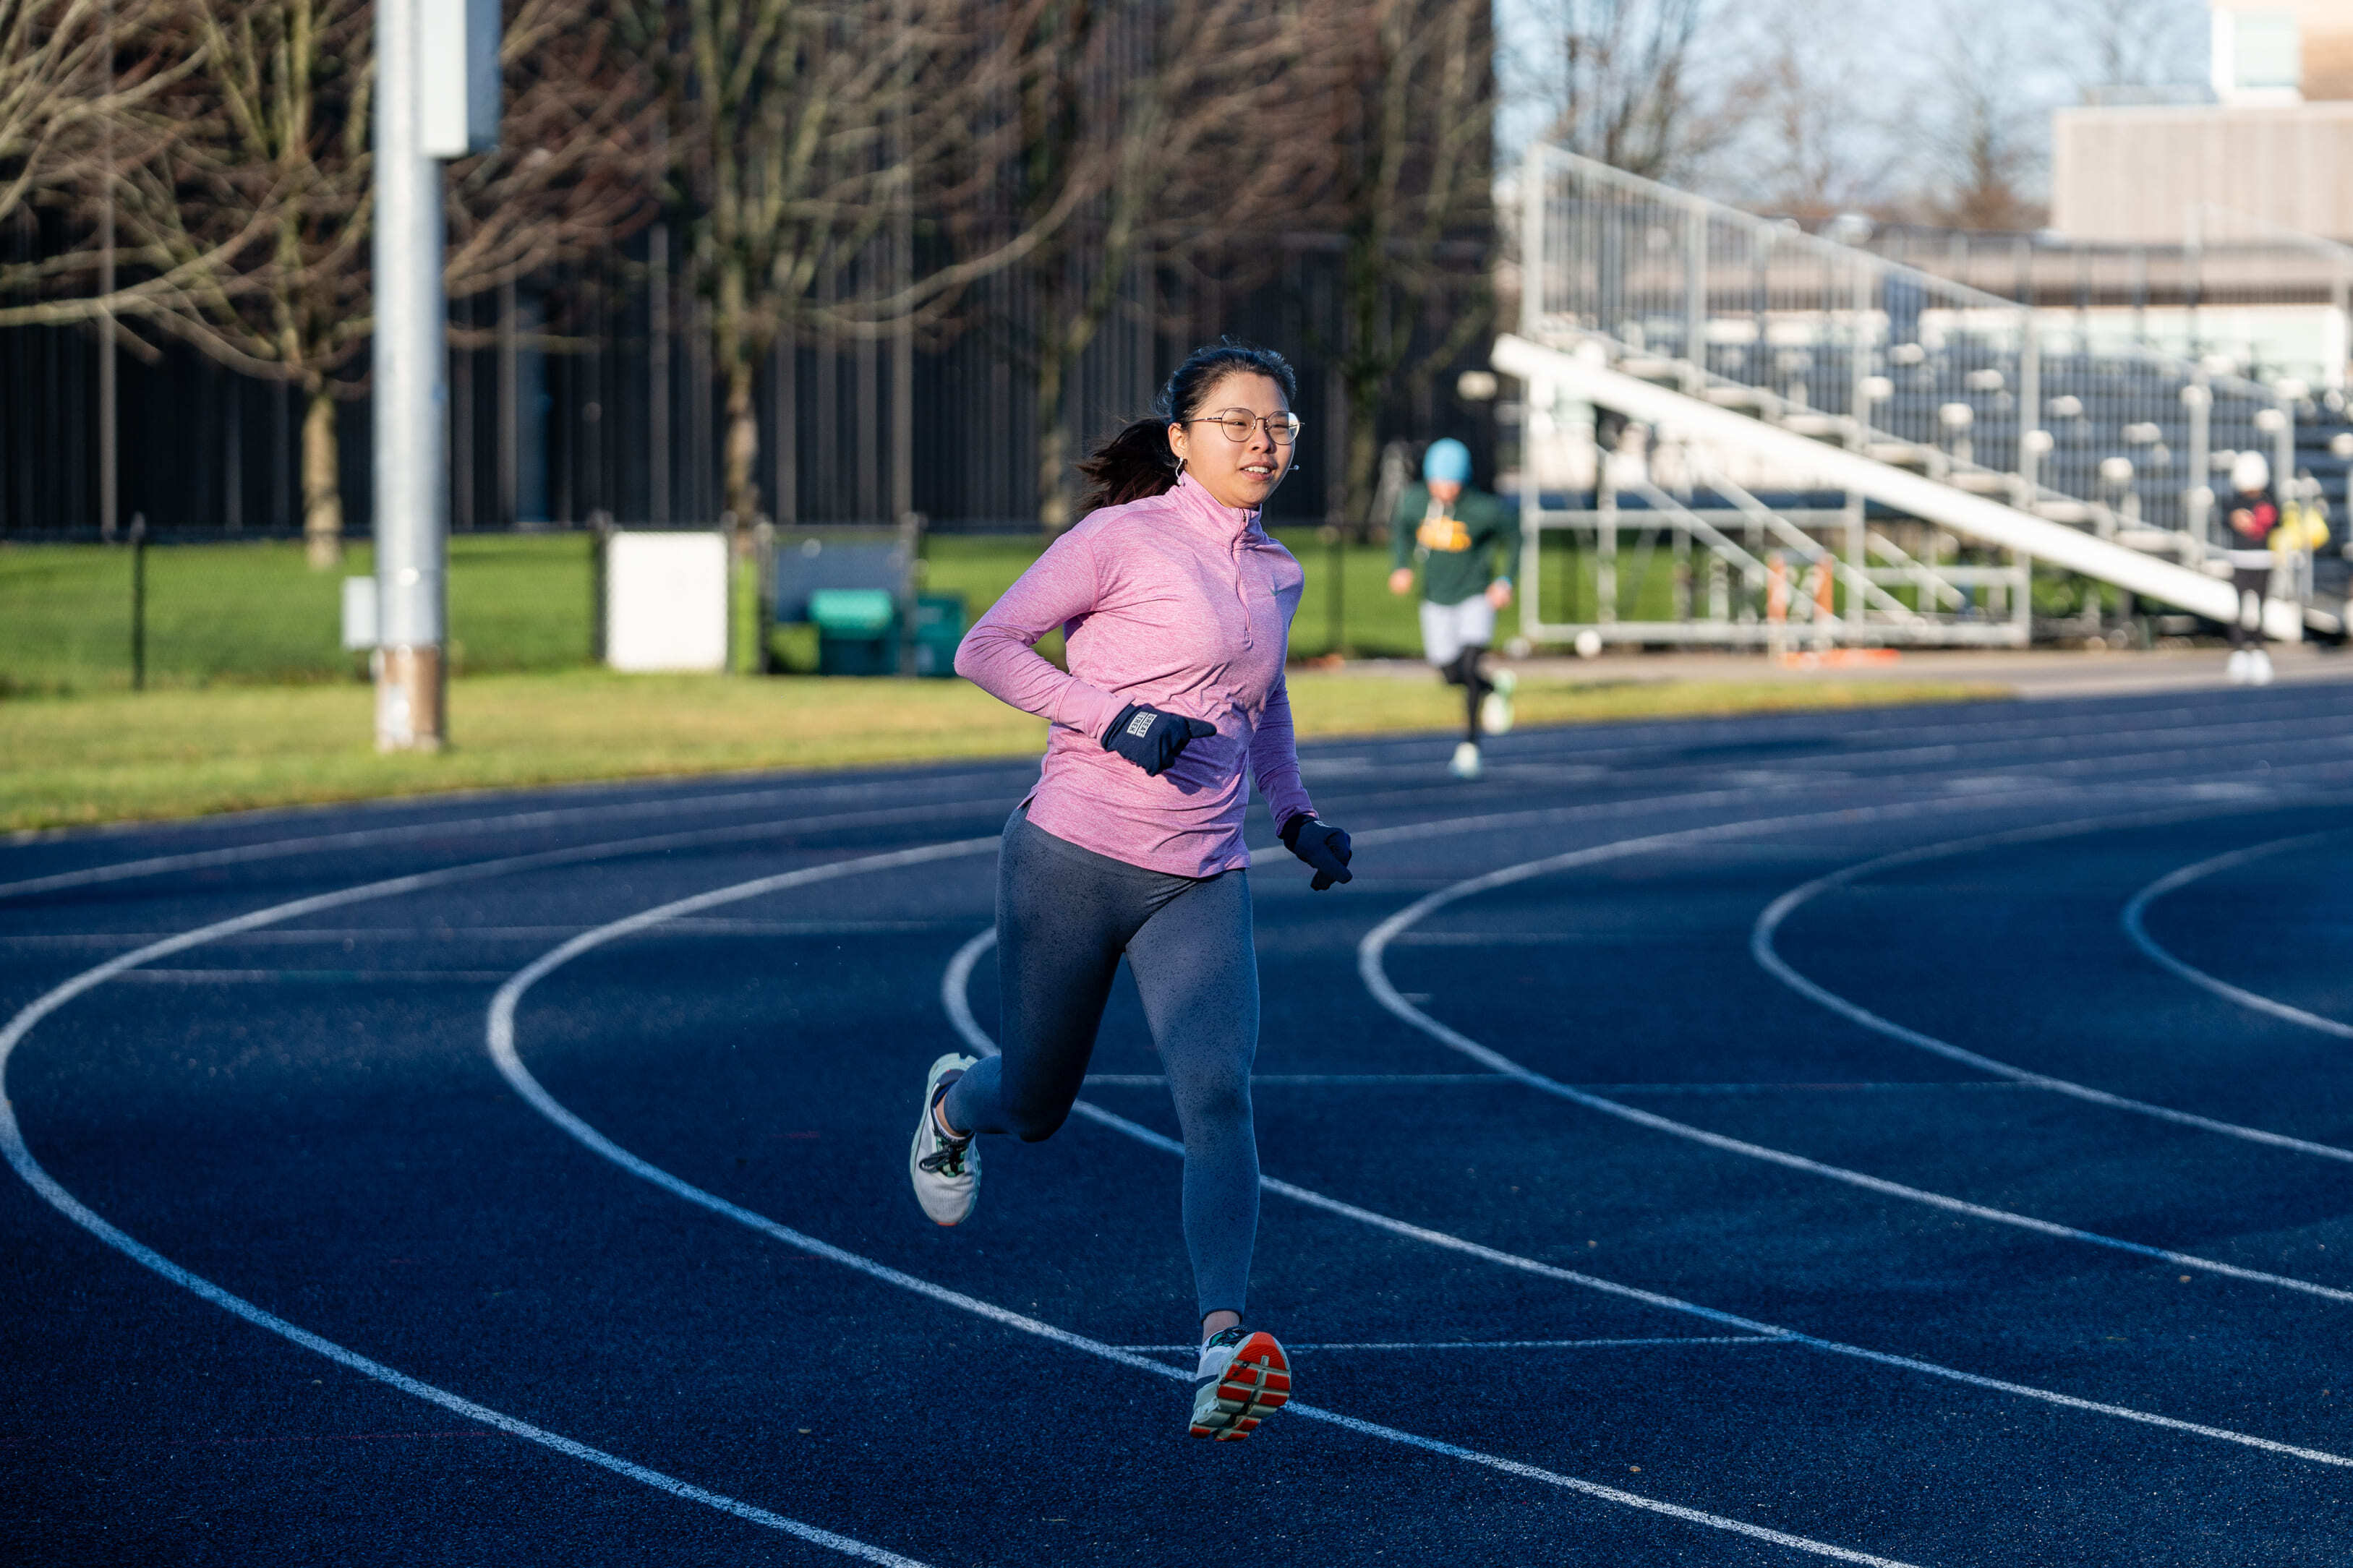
1919,1136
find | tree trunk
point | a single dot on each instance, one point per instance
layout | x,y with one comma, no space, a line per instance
322,487
1053,427
743,446
1368,361
740,450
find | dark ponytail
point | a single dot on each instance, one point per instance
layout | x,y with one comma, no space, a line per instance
1136,462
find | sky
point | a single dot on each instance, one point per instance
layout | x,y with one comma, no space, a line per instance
1896,59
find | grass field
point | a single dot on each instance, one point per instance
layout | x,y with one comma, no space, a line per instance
110,756
254,613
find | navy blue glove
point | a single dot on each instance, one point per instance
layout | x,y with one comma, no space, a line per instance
1322,846
1152,740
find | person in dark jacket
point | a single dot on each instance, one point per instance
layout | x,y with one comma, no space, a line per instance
2252,514
1457,536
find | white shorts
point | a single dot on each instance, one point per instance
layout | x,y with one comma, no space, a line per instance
1448,629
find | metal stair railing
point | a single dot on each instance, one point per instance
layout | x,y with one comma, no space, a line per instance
1837,342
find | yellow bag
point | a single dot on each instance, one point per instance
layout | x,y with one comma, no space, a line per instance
2301,528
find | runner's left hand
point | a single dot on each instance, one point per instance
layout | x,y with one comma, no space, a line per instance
1322,846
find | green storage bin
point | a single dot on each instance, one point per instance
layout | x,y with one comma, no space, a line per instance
939,627
856,631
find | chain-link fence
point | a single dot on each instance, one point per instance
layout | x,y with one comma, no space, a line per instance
90,616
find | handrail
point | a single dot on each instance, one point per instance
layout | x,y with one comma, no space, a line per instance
1541,155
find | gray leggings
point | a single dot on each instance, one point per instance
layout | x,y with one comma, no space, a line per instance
1064,916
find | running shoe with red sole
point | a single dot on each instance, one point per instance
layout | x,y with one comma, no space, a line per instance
1244,1379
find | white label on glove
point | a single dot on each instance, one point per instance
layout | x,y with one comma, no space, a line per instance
1140,726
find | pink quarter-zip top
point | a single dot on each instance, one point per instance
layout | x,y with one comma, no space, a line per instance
1178,603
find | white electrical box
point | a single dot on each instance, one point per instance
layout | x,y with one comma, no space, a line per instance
359,614
666,602
458,77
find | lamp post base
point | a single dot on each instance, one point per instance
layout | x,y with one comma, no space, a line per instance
409,707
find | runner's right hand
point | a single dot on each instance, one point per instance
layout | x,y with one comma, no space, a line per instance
1152,740
1322,846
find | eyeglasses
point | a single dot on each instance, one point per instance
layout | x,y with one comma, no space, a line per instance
1281,429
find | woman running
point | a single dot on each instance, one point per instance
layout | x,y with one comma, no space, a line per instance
1175,609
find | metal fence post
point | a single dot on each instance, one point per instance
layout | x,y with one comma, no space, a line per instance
764,588
1532,239
1696,296
910,551
601,542
1336,615
2029,396
2199,400
137,601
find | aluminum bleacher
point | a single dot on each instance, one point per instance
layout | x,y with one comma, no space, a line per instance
1677,312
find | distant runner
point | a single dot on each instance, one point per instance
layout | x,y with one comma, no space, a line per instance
2253,516
1176,608
1456,535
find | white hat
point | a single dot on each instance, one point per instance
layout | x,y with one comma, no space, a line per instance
2250,472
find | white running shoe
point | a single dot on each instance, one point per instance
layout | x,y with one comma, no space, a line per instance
1465,764
2237,669
946,1171
1243,1379
1495,708
2259,667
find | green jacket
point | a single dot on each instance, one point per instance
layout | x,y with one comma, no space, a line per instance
1457,553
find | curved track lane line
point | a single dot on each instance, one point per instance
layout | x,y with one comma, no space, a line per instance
952,991
1768,923
685,839
1372,951
471,826
21,1160
500,1034
2001,735
2173,880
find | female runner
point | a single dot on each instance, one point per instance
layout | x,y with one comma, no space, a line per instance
1176,607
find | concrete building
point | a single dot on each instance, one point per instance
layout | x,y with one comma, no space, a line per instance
2274,147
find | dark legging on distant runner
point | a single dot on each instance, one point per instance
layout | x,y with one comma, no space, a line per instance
2247,631
1465,672
1064,916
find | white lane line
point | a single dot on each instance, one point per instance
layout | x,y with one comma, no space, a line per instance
1768,924
1188,1351
502,1042
958,977
1370,953
1355,1079
354,936
2173,880
1989,788
315,976
1998,734
21,1160
518,822
1302,1080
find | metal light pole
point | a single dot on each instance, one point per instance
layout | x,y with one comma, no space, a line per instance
437,96
110,466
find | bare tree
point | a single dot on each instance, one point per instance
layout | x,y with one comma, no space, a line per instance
1176,137
2133,43
53,67
253,216
1982,131
808,133
1629,82
1413,123
1814,145
73,72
